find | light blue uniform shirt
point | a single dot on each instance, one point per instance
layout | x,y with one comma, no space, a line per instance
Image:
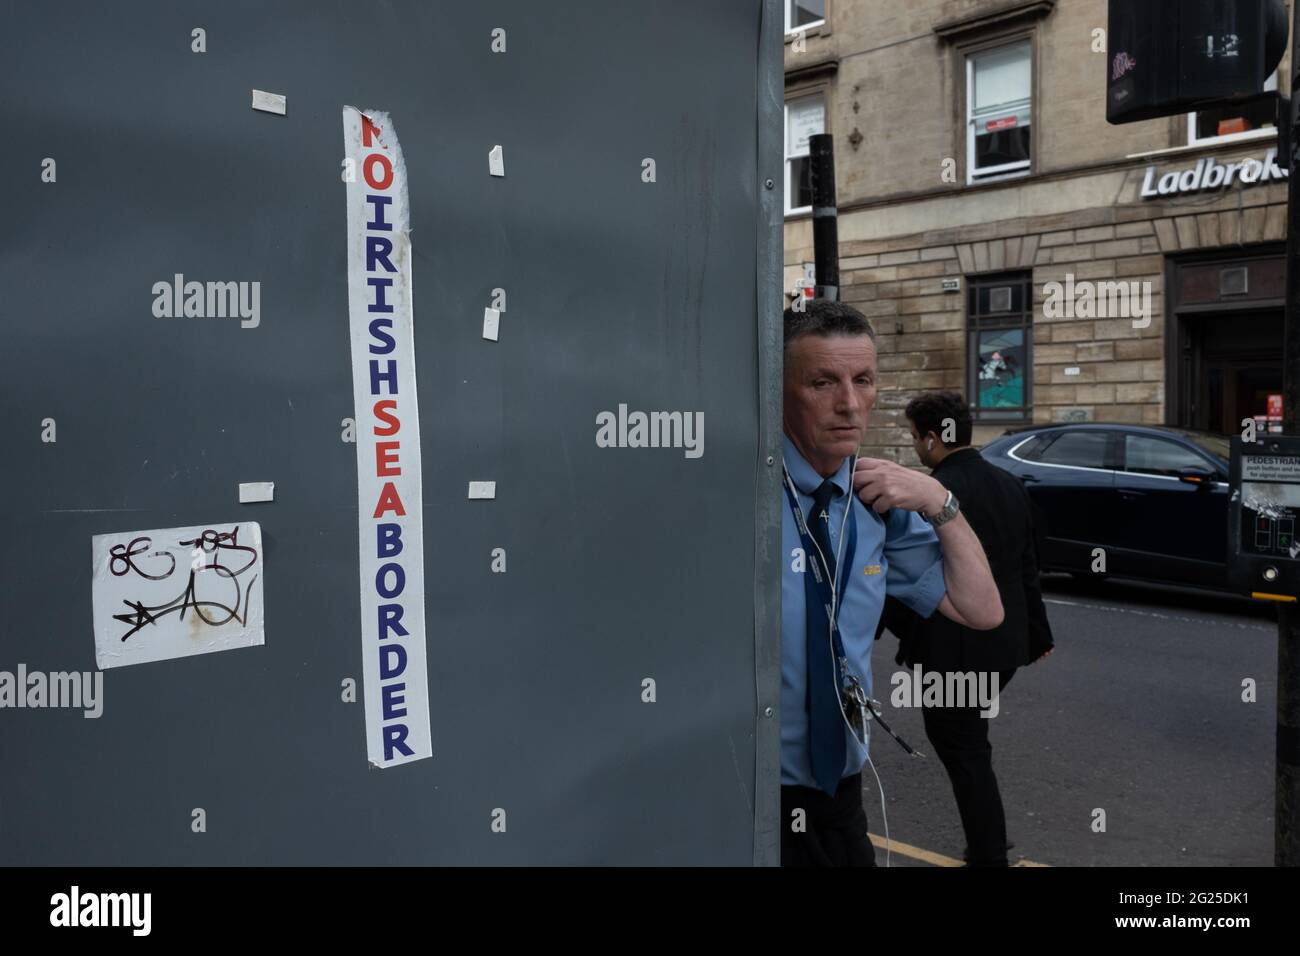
897,552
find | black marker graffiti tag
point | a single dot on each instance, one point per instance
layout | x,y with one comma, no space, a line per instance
209,543
120,562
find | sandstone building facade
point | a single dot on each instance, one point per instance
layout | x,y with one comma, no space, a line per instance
992,225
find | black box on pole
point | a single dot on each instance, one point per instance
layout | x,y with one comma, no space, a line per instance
1171,56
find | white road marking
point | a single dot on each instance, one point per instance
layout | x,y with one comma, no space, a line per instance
1163,617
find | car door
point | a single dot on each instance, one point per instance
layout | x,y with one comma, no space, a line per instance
1173,529
1070,479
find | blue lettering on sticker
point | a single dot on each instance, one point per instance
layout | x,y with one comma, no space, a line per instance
390,618
395,651
389,543
393,699
380,305
389,375
399,577
395,739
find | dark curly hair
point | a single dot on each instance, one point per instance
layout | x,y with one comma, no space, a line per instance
929,411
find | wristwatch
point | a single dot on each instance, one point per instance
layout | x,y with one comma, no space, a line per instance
944,514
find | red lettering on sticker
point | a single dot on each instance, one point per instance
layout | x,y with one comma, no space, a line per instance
387,167
390,421
389,501
386,459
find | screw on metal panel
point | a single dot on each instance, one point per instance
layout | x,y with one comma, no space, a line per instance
769,184
767,711
771,460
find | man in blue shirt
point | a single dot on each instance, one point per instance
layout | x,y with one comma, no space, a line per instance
850,535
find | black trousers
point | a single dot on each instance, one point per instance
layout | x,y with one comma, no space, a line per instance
834,828
960,737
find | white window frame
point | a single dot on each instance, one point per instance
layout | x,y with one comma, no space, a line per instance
820,96
1269,85
787,4
1021,167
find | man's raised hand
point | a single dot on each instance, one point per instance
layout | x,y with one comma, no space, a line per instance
883,485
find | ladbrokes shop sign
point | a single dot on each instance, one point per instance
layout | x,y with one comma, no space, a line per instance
1208,174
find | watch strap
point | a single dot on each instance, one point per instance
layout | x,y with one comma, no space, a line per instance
945,514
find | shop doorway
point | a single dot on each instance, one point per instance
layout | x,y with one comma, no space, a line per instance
1224,341
1235,365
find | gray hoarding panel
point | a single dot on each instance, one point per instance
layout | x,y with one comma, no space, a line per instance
622,564
767,519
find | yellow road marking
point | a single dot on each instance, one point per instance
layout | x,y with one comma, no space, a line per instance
929,856
915,852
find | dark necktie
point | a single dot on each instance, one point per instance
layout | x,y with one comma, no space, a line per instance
825,724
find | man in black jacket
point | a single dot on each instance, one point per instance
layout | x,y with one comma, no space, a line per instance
999,511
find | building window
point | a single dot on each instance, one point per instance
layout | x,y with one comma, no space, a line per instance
801,14
804,117
998,108
1250,120
1000,312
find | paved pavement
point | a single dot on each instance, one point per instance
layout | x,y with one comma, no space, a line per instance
1138,712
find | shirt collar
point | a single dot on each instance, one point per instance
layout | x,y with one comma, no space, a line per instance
805,476
955,453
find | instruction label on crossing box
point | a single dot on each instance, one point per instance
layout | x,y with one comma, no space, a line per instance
1270,468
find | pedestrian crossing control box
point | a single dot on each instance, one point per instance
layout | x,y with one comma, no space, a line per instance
1263,511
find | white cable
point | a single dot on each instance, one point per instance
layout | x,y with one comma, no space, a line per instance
830,633
835,591
883,815
830,637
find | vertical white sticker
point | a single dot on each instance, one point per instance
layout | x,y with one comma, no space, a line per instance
388,444
491,324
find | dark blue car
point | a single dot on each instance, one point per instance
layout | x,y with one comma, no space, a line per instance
1154,499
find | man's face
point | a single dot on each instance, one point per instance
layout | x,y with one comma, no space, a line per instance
924,445
830,388
919,445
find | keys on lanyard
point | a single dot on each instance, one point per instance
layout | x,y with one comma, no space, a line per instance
855,701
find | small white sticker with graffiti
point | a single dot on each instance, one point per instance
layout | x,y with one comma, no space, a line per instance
176,592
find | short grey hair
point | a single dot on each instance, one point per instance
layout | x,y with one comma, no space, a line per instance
824,317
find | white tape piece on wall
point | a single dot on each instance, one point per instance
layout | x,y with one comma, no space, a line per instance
482,489
269,102
491,324
176,592
389,492
251,492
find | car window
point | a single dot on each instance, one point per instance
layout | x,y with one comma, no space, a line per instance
1216,445
1080,449
1030,450
1146,455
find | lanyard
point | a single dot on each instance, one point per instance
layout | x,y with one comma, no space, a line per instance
832,600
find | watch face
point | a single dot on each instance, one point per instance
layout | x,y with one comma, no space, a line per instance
947,512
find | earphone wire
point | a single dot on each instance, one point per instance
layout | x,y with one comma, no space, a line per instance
835,592
865,739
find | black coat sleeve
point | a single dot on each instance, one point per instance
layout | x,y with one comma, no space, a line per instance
1040,629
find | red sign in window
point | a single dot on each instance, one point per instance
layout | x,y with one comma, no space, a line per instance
1007,122
1275,408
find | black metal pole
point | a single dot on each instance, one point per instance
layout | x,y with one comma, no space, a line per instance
826,234
1286,833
